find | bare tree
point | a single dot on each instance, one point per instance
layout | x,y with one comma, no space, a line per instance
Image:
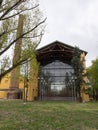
31,35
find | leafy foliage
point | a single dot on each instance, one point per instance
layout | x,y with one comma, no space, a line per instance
93,78
33,29
78,67
93,73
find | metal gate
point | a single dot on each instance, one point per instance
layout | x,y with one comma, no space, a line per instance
56,82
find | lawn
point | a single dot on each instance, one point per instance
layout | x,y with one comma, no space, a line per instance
51,115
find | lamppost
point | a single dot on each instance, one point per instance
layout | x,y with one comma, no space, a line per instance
26,82
26,89
74,88
40,87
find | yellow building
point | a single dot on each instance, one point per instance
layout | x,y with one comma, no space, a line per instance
5,83
50,76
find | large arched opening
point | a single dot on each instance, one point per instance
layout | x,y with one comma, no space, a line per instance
56,79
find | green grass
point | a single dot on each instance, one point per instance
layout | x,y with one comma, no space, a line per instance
54,115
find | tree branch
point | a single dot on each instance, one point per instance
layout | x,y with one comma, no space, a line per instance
21,62
39,41
1,2
2,33
19,12
11,68
1,6
11,8
35,36
5,32
21,36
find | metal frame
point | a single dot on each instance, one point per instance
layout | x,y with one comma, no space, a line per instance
44,84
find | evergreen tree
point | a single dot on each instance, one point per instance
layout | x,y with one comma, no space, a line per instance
78,67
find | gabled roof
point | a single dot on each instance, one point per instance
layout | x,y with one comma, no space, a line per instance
56,42
59,42
56,49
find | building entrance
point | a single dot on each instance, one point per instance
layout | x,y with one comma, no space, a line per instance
56,81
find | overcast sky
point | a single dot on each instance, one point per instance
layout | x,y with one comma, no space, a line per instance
74,22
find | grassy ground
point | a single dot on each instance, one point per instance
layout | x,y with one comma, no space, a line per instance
14,115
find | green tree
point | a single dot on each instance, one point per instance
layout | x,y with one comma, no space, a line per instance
93,76
78,67
31,35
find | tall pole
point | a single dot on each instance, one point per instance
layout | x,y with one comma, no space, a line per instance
26,81
14,83
74,89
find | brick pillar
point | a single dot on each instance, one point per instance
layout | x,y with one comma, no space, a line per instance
14,83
